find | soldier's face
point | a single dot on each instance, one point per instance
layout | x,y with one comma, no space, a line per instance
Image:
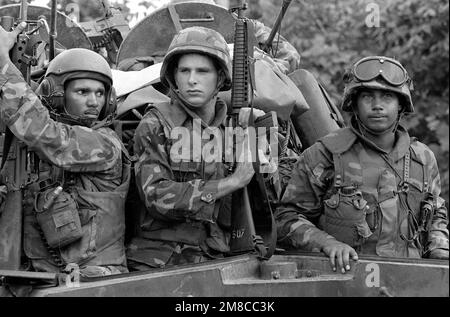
85,98
377,109
196,78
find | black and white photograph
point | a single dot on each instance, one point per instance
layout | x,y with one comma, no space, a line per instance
224,155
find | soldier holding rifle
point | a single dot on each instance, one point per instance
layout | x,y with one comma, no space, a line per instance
188,196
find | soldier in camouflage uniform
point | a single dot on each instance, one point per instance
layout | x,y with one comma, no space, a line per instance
86,161
187,198
369,188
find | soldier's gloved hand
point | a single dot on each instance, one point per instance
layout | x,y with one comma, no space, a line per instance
339,254
8,39
439,254
244,116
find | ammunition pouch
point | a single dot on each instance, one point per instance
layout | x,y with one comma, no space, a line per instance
348,218
58,218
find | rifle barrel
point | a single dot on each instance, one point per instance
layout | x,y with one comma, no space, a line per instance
52,34
24,11
276,27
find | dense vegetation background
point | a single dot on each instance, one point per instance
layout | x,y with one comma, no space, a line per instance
332,34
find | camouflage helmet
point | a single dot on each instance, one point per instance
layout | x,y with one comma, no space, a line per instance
378,72
199,40
76,63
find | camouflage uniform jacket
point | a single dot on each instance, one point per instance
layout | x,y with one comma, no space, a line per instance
178,192
344,186
93,158
286,56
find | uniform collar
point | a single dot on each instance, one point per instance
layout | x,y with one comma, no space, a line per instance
401,146
181,113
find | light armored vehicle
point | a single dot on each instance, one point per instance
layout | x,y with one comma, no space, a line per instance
286,273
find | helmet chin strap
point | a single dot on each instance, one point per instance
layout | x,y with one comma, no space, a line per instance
76,120
391,129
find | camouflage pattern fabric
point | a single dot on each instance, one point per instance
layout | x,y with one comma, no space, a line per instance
370,212
94,157
287,57
179,195
200,40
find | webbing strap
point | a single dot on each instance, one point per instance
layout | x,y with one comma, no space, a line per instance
339,170
407,167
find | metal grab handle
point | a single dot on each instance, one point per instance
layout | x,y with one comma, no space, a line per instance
196,20
177,20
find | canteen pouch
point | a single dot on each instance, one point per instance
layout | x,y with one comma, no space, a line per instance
57,215
345,217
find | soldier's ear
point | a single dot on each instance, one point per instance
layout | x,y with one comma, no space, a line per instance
221,79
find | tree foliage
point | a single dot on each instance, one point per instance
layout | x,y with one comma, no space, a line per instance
331,35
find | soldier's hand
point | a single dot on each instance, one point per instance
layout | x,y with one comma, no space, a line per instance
8,39
339,254
244,173
244,170
244,116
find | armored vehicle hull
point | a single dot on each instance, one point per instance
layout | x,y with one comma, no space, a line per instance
285,275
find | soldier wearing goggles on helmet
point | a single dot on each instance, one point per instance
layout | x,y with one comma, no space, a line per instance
74,213
369,188
187,198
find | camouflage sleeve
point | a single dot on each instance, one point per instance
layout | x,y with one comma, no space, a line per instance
156,181
438,233
75,148
302,205
286,57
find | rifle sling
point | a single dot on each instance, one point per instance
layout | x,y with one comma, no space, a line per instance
271,238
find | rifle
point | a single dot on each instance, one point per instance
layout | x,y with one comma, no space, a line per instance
52,33
15,165
249,217
267,47
108,32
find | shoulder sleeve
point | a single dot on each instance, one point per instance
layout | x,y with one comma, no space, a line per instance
438,232
75,148
302,202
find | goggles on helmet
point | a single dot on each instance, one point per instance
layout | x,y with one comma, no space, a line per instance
390,70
